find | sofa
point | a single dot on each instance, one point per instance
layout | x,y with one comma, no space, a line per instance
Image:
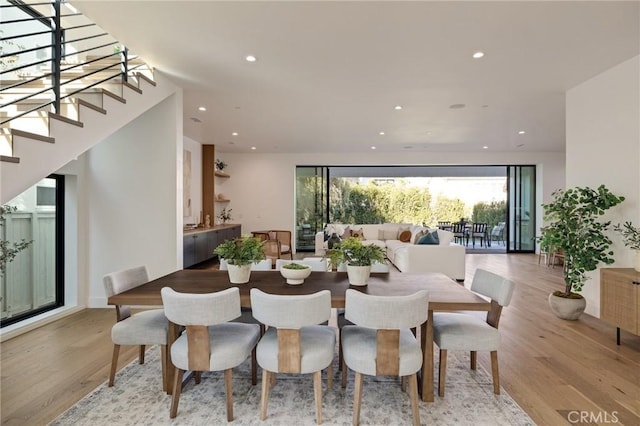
407,256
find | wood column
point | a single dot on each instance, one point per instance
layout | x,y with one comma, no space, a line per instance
208,182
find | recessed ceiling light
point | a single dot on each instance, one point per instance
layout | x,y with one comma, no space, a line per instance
485,147
397,107
521,132
373,147
520,145
381,133
250,58
478,55
195,120
202,109
253,147
457,106
407,147
234,134
485,106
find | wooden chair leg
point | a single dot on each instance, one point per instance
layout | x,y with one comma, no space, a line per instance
228,382
340,355
344,375
317,393
264,398
494,372
141,354
114,364
442,371
163,362
413,394
254,367
197,375
357,399
330,376
473,360
177,389
403,383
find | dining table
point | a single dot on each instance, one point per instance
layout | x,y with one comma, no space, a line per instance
445,294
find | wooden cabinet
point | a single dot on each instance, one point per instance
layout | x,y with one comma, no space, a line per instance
198,245
620,299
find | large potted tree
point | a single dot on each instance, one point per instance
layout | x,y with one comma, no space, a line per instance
358,257
573,224
239,254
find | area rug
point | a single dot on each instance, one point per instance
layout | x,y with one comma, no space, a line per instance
137,399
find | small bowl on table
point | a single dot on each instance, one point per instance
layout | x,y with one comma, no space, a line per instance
295,273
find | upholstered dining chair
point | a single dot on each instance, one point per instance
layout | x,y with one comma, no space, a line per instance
460,331
272,250
210,342
294,343
148,327
381,341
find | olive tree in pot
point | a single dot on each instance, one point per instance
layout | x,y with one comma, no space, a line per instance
239,254
631,235
358,258
573,225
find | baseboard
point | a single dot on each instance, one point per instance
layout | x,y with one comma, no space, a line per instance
29,324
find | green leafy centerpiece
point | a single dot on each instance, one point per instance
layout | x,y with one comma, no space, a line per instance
357,256
295,273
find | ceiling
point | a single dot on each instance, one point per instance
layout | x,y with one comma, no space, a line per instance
329,74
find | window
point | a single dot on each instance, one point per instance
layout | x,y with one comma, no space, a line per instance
34,280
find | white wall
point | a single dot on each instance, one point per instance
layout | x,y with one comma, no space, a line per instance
603,147
132,200
196,180
261,187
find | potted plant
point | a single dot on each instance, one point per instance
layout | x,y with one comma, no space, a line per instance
358,257
631,236
295,273
573,226
225,215
220,165
239,254
9,250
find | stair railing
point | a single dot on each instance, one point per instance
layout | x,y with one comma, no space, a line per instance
47,47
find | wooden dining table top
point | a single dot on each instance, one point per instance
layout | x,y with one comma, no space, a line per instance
444,293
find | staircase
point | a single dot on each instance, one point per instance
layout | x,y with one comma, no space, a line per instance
98,93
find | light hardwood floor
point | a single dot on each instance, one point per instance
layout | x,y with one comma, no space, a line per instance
551,367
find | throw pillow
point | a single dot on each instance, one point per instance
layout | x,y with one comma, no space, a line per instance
430,238
357,233
346,233
405,236
389,234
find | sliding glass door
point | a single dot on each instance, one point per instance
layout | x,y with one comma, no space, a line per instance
311,205
521,207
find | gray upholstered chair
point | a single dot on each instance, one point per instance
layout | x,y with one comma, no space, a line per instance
144,328
381,342
210,342
460,331
294,343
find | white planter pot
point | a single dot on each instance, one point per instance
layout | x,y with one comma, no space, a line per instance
358,275
239,274
636,263
568,309
295,276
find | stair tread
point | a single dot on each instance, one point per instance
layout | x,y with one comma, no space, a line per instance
30,135
9,159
